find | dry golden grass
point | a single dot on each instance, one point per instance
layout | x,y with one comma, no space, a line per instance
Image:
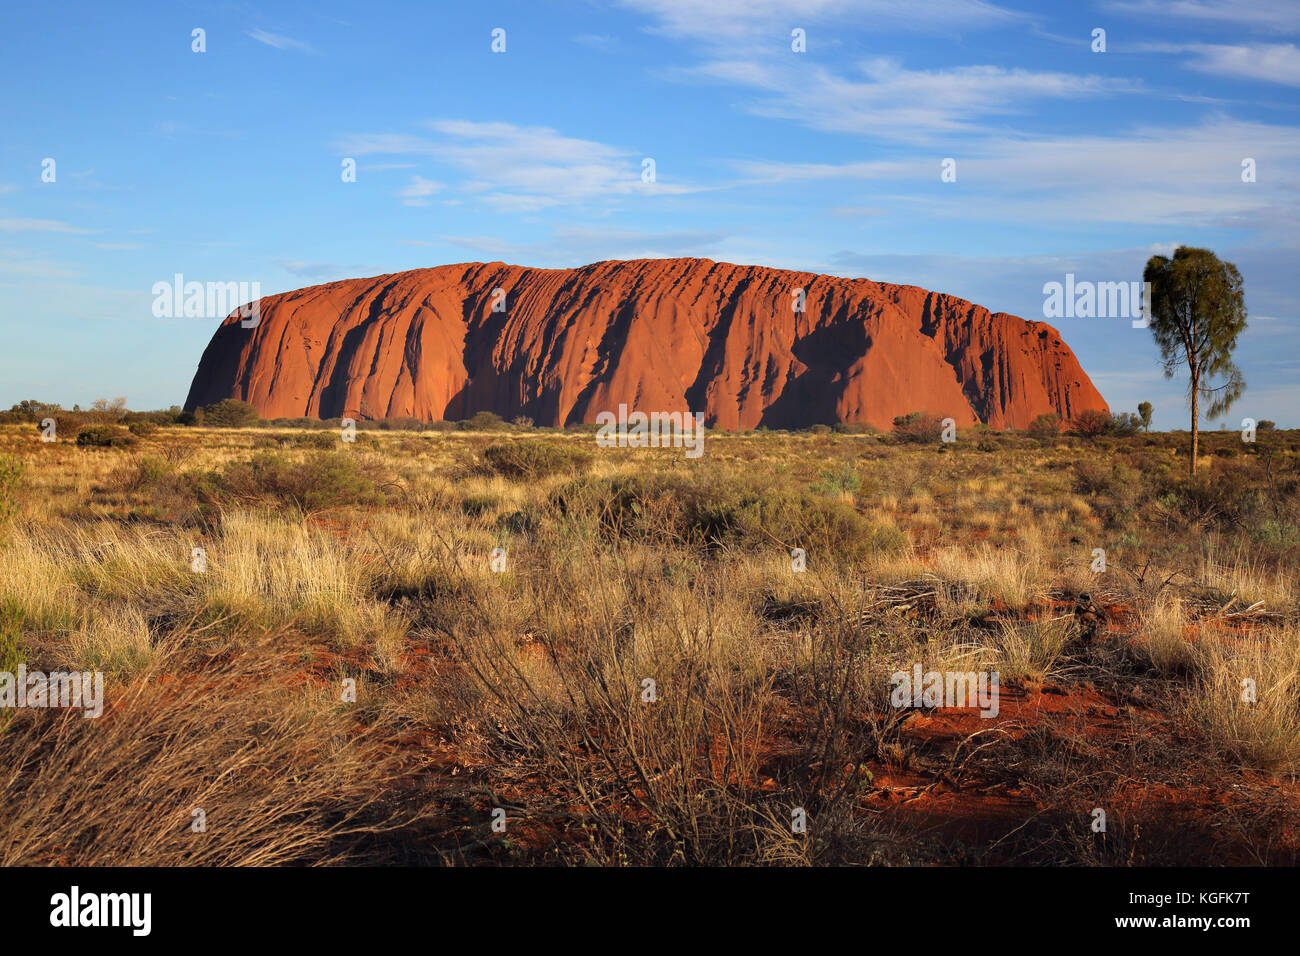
770,684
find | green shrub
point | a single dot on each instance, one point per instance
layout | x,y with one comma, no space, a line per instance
918,428
229,413
1046,426
842,481
406,424
321,480
1091,423
105,436
527,460
1092,478
142,429
1125,424
854,428
483,421
1206,498
324,441
145,471
709,513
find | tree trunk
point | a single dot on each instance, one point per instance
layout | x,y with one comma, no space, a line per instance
1196,395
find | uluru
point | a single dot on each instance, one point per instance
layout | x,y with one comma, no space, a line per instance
747,345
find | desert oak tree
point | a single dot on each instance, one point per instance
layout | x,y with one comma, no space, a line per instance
1197,311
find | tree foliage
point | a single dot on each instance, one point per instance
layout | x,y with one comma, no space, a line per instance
1197,312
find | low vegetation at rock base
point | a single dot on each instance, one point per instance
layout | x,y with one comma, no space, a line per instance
498,643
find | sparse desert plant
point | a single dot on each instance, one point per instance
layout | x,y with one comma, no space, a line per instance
1008,577
1091,423
918,428
1163,641
229,413
318,480
11,477
374,564
842,481
1124,423
483,421
1032,649
530,460
105,436
1046,426
1246,701
284,781
854,428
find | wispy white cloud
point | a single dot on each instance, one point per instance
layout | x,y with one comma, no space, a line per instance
754,172
576,246
1277,16
419,191
280,42
18,262
522,168
1267,62
38,225
728,20
1165,175
885,100
597,41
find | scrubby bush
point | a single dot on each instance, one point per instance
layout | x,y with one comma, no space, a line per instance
918,428
229,413
732,513
320,480
147,471
854,428
839,481
1046,426
323,441
403,424
483,421
30,410
1091,423
105,436
1093,478
527,460
1125,424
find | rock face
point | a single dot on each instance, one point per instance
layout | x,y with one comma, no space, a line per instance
659,335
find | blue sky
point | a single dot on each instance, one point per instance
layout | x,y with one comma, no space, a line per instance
226,165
